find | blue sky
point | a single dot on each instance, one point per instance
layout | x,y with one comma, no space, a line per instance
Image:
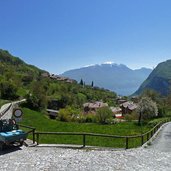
58,35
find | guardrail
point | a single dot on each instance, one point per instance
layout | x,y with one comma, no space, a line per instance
143,137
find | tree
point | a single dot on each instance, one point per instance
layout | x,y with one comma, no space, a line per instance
32,102
146,109
92,84
8,90
103,114
37,99
81,82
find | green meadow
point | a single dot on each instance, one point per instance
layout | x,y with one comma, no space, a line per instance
42,123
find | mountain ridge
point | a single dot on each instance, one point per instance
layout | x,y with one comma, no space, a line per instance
116,77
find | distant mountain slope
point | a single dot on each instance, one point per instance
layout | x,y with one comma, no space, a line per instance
9,63
118,78
159,80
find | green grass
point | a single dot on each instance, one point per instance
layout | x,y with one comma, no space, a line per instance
43,123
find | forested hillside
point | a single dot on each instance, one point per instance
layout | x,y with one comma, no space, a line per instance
159,80
20,80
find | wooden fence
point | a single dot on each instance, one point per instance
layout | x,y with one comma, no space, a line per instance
143,137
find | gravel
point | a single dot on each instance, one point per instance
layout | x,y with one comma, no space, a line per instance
52,159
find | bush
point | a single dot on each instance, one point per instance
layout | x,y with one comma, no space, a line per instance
81,118
103,114
68,114
111,121
64,115
131,117
154,122
90,118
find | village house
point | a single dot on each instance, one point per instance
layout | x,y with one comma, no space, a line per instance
128,107
117,112
45,74
120,100
92,107
60,78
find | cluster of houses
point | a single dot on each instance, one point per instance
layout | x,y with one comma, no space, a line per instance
58,78
124,107
92,107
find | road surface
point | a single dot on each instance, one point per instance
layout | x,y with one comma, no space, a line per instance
163,140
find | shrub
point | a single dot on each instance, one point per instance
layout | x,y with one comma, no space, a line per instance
81,118
131,117
68,114
111,121
103,114
64,115
154,122
90,118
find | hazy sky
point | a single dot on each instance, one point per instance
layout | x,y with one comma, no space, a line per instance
58,35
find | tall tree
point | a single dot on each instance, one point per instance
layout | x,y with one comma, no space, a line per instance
146,109
92,84
81,82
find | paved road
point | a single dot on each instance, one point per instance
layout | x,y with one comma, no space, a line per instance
163,141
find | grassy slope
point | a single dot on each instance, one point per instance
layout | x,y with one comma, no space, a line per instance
42,123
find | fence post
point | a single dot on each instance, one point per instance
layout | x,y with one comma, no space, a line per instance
151,133
84,140
37,134
142,139
147,136
33,136
126,142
